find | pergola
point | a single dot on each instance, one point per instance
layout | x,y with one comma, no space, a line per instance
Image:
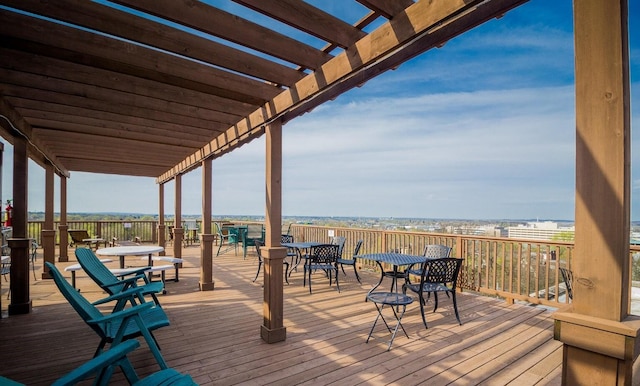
157,88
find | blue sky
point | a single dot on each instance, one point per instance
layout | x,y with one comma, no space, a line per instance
482,128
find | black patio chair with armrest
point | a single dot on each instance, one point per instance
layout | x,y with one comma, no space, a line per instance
258,244
567,276
339,241
431,251
292,253
112,284
322,257
438,275
351,261
125,322
102,367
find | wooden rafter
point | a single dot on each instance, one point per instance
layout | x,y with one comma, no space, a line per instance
185,80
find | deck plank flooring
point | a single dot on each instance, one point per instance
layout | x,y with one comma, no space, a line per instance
215,335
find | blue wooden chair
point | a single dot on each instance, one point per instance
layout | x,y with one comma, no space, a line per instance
103,365
253,233
114,284
123,323
231,238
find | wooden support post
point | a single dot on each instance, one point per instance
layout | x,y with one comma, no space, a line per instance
161,227
206,238
19,244
178,232
63,227
600,340
48,233
273,329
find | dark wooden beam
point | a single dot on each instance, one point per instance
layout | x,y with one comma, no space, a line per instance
392,43
216,22
309,19
129,86
72,44
14,124
115,22
387,8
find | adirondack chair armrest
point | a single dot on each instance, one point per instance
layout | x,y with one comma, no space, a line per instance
122,314
113,356
102,366
128,294
128,282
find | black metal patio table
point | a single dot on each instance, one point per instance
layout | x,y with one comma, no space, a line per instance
299,245
395,259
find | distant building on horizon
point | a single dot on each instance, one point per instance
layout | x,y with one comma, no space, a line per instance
540,230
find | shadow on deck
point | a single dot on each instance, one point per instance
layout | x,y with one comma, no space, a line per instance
215,335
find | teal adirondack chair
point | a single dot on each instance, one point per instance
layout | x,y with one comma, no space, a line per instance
122,324
110,282
103,365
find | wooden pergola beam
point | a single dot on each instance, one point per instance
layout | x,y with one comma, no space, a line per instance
401,36
216,22
14,125
115,22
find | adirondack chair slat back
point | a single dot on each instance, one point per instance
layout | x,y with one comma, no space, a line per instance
97,270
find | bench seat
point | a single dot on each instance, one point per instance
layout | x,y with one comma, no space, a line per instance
177,263
76,267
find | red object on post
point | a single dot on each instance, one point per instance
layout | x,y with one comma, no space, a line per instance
8,214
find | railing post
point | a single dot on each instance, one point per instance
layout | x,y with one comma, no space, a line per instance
63,244
48,247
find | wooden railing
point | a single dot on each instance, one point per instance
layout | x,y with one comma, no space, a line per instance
147,231
514,269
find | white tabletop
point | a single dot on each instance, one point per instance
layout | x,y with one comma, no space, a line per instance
130,250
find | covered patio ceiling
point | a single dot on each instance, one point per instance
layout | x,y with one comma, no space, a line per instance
153,87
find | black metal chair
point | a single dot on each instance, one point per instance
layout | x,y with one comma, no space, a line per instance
351,261
567,276
260,243
431,251
292,253
438,275
325,258
395,300
339,241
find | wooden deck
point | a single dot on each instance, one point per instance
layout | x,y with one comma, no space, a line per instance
215,335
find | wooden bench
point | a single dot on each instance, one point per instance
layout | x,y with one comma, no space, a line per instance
177,263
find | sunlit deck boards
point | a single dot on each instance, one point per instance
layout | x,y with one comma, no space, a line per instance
215,336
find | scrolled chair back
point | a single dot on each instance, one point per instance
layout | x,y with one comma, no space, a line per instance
325,253
436,251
